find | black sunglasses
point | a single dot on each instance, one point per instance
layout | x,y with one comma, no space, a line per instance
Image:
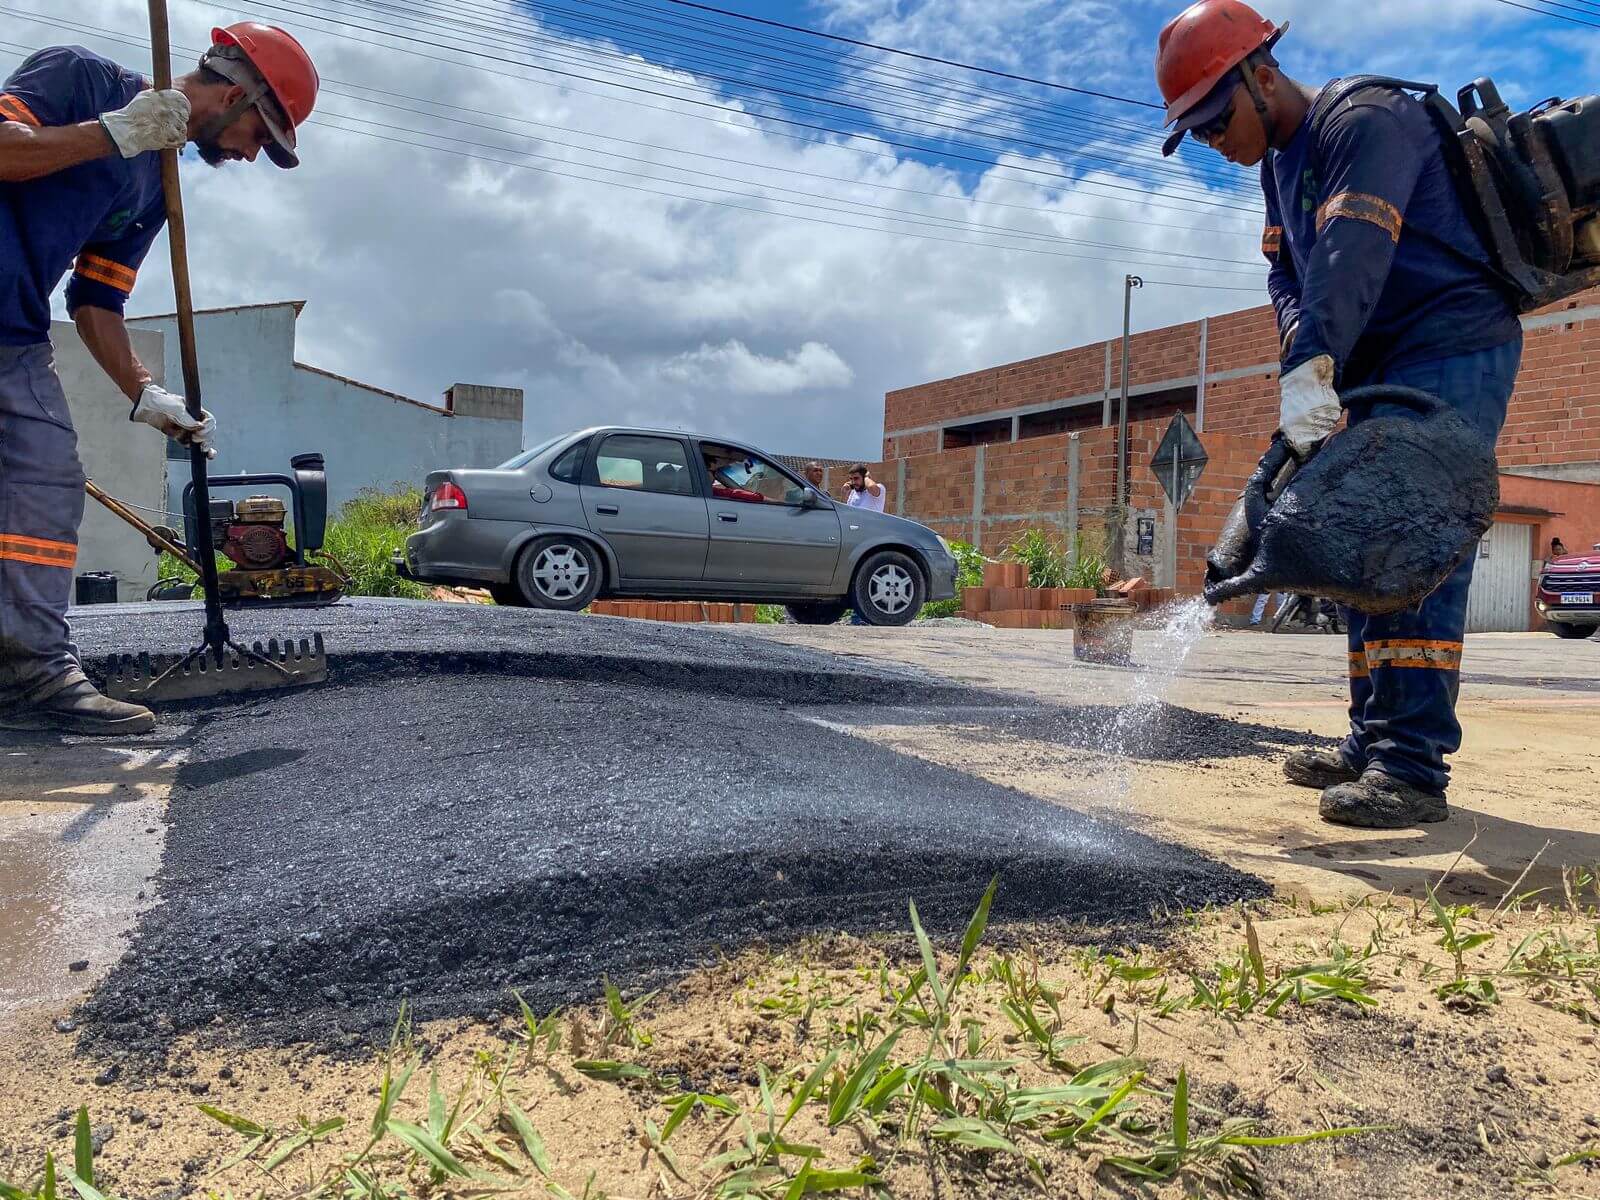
1217,126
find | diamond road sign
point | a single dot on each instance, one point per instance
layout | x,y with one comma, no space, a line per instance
1178,460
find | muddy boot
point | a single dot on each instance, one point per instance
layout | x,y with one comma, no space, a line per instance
1318,769
1379,801
79,708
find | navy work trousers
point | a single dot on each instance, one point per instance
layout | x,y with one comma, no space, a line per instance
41,506
1405,668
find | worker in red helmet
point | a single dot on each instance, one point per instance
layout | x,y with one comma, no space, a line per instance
1377,275
80,192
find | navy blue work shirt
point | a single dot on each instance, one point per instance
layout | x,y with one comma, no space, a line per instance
1371,251
96,219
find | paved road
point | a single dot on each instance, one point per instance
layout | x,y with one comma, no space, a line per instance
488,798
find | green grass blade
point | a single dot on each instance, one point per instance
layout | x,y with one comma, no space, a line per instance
866,1071
1180,1112
427,1147
1300,1139
529,1137
83,1148
85,1190
809,1087
929,964
976,927
680,1113
436,1116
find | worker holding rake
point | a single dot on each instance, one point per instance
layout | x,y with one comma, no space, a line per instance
81,190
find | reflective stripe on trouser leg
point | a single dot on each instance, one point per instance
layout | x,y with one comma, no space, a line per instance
1414,658
1354,747
41,505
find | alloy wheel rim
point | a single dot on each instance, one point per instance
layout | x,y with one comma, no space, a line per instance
560,572
890,589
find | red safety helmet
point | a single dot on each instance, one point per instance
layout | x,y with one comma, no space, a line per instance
1202,44
284,71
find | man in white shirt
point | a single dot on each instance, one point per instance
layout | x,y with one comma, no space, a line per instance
863,491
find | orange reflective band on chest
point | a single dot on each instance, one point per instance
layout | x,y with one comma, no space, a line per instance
103,270
1418,653
13,109
1358,206
40,552
1272,239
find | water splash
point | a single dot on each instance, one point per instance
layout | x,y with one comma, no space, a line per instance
1159,657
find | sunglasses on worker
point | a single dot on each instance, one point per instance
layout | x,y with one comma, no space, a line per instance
1218,125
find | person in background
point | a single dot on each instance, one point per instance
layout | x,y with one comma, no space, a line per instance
815,475
863,491
1260,610
1558,548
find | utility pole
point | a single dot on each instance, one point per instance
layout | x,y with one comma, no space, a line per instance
1129,282
1120,504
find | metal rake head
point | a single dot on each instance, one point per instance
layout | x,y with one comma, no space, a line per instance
159,678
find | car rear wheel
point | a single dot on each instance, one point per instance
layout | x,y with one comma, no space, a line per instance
1566,629
507,595
560,573
825,613
888,589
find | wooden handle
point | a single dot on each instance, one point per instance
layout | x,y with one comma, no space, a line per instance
161,54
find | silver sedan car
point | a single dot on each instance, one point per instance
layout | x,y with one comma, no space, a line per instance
646,513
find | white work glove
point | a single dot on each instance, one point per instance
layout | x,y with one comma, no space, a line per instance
152,121
168,413
1308,407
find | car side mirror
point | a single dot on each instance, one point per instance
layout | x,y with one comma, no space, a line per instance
811,499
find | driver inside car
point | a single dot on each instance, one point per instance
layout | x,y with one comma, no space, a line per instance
723,487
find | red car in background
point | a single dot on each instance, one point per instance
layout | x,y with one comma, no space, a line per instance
1569,594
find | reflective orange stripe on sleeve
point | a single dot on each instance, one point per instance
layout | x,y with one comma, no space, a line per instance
1358,665
1358,206
1418,653
1271,239
41,552
13,109
104,270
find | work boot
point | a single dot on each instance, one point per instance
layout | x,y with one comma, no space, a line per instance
79,708
1380,801
1318,769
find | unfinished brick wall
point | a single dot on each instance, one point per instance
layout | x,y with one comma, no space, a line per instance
1554,416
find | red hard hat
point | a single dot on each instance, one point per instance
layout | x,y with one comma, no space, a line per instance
287,70
1202,44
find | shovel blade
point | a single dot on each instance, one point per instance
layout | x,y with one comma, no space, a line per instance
155,679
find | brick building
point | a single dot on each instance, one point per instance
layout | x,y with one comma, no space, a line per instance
985,455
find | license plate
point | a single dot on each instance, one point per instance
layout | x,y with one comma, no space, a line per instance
1577,598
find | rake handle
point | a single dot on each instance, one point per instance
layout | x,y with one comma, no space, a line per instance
217,636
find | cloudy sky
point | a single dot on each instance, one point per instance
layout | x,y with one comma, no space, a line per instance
640,211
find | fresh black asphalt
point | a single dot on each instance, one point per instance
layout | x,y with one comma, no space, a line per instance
484,799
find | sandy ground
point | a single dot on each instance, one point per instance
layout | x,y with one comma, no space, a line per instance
1485,1100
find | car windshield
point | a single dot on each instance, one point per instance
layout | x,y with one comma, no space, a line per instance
527,456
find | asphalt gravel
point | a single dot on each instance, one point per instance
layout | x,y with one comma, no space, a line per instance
487,799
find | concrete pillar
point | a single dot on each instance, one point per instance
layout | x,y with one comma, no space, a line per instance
977,498
1016,429
900,488
1200,391
1074,455
1105,399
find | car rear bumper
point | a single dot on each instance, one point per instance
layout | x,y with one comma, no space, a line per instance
456,548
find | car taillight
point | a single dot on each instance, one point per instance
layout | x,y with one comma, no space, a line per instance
448,495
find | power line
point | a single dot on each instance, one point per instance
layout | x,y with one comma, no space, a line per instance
130,40
1545,12
714,70
834,37
988,153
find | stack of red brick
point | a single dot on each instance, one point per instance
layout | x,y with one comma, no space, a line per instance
1007,602
691,611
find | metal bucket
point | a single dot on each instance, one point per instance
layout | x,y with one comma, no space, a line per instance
95,587
1376,520
1102,632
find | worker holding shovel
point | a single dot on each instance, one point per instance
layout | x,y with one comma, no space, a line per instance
81,189
1377,277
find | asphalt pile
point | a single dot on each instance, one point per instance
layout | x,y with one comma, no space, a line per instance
514,800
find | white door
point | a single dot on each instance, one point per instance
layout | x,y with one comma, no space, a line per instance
1502,581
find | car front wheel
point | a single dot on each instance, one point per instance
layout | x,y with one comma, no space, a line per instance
1565,629
888,589
560,573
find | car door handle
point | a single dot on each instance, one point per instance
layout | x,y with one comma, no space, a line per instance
728,517
607,510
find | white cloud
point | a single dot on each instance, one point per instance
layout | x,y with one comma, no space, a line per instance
422,268
732,367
